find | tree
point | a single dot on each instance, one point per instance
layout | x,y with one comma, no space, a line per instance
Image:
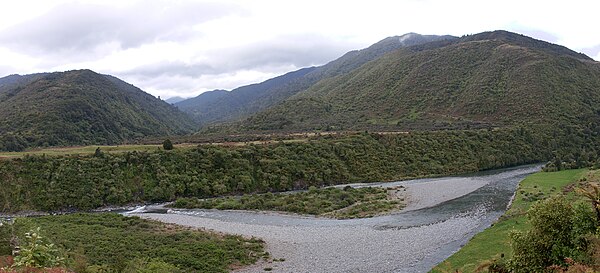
35,252
591,191
558,232
167,145
98,152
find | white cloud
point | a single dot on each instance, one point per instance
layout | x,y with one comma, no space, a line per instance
20,62
186,47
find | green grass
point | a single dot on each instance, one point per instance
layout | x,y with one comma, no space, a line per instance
88,150
540,185
494,241
329,202
114,241
80,150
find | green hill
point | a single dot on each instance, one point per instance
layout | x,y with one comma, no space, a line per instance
221,106
489,79
11,82
80,107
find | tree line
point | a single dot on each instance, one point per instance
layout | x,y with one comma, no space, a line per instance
53,183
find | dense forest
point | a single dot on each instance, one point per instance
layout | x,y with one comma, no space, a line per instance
80,107
52,183
222,106
489,79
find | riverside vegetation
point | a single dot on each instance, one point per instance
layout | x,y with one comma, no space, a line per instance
51,183
109,242
550,227
329,202
537,101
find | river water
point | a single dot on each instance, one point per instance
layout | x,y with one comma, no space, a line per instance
412,241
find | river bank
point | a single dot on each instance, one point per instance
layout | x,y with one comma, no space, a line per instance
495,240
443,214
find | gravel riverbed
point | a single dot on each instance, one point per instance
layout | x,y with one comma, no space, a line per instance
338,248
435,224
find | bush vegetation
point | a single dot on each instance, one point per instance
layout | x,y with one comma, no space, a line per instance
331,202
114,243
51,183
557,233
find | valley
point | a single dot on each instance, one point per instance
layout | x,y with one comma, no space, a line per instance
387,159
407,241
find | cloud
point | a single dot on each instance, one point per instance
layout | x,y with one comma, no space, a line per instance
537,33
185,47
5,70
593,52
173,68
237,65
299,50
168,86
78,28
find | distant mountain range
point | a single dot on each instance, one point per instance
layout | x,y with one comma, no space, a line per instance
408,82
222,106
173,100
488,79
81,107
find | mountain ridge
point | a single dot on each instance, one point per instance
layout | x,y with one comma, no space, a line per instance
82,107
489,79
250,99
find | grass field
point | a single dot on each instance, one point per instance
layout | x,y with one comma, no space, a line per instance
494,241
87,150
80,150
181,144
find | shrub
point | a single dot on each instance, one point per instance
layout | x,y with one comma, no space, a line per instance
35,252
167,144
144,265
558,232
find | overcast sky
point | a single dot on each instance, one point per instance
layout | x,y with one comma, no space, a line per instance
183,48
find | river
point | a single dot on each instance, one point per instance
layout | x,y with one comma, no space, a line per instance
409,241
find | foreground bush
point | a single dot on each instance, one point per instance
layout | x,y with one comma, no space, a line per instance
34,251
560,234
114,243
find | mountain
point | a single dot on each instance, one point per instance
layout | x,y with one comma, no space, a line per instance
78,108
221,105
173,100
13,81
489,79
247,100
206,100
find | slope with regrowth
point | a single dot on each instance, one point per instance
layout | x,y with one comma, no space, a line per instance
78,108
223,106
489,79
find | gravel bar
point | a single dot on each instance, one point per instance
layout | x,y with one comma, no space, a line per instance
378,244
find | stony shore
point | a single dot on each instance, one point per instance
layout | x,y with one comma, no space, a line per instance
351,248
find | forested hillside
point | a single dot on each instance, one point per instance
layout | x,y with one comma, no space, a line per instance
80,107
14,81
489,79
85,182
220,106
